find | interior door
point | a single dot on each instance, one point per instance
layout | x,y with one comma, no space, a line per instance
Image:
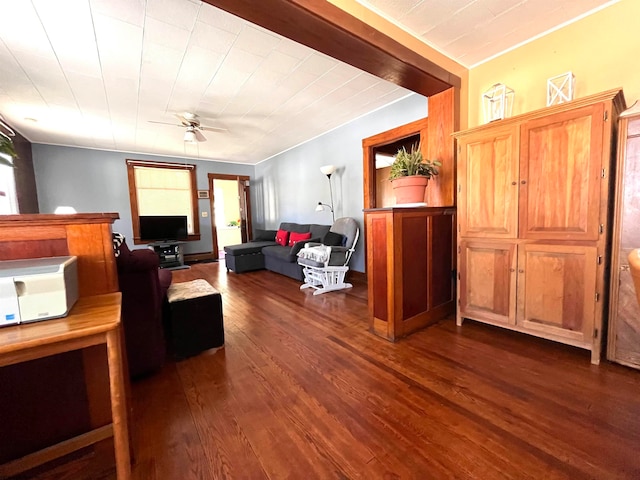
230,206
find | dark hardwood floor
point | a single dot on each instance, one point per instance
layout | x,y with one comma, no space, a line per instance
302,390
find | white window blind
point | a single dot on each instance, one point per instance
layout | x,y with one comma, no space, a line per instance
164,191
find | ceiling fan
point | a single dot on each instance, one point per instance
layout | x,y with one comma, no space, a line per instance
190,122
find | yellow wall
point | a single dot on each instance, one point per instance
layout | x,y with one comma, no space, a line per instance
601,50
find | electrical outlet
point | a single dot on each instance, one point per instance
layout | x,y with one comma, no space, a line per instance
205,214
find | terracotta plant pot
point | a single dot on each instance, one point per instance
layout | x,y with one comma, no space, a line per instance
410,189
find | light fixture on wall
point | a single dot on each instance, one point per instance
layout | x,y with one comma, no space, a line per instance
190,135
328,170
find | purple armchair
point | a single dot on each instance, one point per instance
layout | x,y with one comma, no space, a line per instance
144,287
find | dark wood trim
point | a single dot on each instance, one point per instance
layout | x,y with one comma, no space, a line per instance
200,257
383,138
133,195
24,174
334,32
436,143
245,206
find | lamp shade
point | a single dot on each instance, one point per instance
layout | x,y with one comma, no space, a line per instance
319,208
328,169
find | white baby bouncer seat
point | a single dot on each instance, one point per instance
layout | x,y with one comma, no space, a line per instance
325,266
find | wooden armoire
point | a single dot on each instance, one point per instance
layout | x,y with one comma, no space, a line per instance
534,226
624,312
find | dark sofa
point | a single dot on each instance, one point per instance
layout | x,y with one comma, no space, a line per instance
144,287
264,252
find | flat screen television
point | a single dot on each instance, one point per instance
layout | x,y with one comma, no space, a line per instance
162,228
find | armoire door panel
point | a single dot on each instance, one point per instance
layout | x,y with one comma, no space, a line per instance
487,281
561,174
624,314
488,175
556,289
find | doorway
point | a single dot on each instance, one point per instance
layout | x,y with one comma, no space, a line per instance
230,211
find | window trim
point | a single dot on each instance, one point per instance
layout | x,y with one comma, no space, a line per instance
133,195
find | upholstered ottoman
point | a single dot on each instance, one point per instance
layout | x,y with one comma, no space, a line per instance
194,321
245,257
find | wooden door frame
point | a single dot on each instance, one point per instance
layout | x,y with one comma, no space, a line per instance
245,206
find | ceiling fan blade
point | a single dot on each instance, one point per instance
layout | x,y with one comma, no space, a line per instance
187,118
199,136
166,123
213,129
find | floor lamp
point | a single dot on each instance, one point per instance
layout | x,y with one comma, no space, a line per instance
328,171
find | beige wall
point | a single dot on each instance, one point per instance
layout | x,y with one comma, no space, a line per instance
601,50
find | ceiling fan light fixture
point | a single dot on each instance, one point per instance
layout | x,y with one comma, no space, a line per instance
190,136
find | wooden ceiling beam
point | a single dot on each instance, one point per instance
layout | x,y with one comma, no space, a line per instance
326,28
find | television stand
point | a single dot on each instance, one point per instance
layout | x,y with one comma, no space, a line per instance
170,254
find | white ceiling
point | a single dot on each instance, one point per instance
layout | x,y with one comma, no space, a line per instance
94,73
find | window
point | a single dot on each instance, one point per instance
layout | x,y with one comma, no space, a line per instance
8,198
163,189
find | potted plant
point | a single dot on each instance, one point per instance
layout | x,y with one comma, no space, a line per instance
7,148
410,174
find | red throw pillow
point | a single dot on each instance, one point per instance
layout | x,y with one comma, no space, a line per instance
295,237
282,237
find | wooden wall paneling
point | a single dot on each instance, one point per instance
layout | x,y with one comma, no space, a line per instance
624,311
96,269
412,268
33,249
87,236
21,437
435,133
371,176
378,276
415,264
440,145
